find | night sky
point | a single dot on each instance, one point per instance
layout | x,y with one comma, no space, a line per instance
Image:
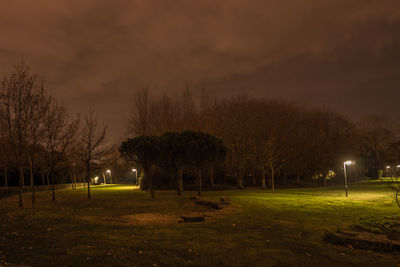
339,54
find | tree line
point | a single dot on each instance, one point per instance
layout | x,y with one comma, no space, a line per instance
272,141
266,142
39,137
173,153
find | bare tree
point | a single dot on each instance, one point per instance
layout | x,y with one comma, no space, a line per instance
18,102
60,131
140,115
5,160
376,135
36,133
91,145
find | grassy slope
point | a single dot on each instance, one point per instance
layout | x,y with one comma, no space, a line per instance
271,229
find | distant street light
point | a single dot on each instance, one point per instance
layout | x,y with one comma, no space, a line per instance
134,170
387,171
397,170
109,172
349,162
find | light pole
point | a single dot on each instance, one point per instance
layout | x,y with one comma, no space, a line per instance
345,174
134,170
397,170
109,172
387,170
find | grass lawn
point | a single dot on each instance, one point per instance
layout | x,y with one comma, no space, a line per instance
121,226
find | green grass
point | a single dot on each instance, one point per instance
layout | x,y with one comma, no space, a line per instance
284,228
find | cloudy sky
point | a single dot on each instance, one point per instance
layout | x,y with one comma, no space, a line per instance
340,54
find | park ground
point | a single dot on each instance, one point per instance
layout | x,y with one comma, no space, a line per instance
122,226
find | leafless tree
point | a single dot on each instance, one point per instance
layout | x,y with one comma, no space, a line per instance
138,124
20,93
36,132
91,143
60,131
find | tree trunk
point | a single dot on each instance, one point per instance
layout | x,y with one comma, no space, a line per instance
74,177
6,177
53,191
325,182
43,178
240,180
254,178
199,178
88,178
211,171
71,177
272,178
32,184
180,181
104,178
150,180
21,184
178,189
263,185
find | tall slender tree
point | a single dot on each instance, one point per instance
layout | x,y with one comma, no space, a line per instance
19,102
60,131
91,144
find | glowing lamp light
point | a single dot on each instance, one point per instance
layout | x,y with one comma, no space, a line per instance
133,170
349,162
108,171
387,167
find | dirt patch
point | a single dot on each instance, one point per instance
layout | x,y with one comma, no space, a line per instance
158,218
362,240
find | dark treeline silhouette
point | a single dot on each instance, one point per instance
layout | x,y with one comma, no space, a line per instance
268,143
272,142
39,139
173,153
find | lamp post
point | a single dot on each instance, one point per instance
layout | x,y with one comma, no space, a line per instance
109,172
345,174
397,170
387,170
134,170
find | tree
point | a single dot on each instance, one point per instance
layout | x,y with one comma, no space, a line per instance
139,120
91,145
173,156
144,151
20,103
235,127
375,138
60,131
202,149
5,160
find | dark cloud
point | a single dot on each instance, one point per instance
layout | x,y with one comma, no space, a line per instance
341,54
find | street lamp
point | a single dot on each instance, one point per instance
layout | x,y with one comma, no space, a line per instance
134,170
387,171
109,172
397,167
349,162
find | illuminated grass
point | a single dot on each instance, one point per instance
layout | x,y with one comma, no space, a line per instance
282,228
